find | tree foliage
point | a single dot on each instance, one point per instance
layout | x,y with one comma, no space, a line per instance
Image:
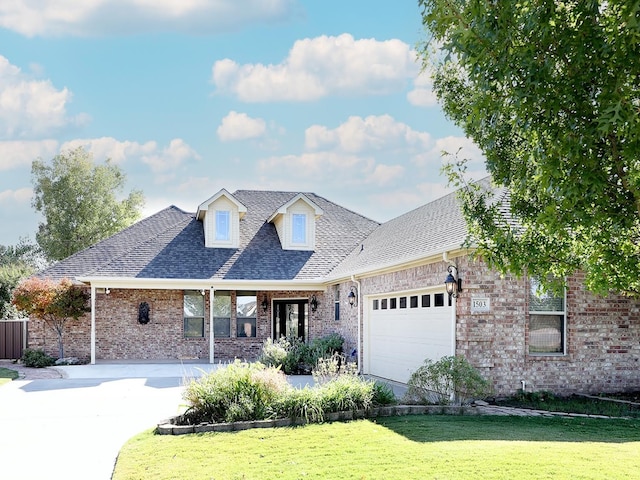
550,91
53,302
16,263
79,202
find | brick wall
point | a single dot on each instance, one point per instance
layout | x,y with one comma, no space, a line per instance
602,336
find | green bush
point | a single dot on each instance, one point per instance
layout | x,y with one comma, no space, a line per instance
450,380
37,358
239,391
294,356
242,391
383,394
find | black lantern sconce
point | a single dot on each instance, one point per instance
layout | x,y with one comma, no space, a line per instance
453,282
352,298
143,313
313,303
264,304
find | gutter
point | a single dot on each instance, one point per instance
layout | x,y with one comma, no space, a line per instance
359,343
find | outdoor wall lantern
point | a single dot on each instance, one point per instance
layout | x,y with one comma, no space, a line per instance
352,296
107,290
264,304
314,303
143,313
202,292
453,282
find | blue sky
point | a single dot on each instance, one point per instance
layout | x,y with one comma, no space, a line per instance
191,96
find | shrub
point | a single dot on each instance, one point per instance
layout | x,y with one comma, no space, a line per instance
329,368
239,391
450,380
294,356
383,394
36,358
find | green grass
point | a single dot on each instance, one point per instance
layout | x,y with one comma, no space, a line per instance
7,375
411,447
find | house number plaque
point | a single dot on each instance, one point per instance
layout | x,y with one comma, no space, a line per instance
480,305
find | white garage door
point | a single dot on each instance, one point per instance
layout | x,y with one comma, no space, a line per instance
402,330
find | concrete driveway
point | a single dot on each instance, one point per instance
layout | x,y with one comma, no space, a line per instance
73,428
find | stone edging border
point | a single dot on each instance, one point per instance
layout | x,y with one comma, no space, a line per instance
169,427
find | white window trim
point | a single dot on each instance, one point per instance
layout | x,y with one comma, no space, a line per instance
563,345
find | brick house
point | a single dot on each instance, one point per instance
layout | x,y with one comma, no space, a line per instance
253,265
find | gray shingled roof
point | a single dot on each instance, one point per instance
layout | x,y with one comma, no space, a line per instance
170,244
428,230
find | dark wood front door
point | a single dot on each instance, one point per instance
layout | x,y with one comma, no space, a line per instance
290,319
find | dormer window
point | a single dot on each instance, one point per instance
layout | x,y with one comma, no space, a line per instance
221,216
295,223
299,228
223,225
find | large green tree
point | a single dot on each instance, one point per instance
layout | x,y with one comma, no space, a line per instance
550,91
79,202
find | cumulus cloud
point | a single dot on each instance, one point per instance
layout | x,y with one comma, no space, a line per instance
321,66
101,17
372,133
20,154
13,197
422,94
446,149
240,126
157,158
31,107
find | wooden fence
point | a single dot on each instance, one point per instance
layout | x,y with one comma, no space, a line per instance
13,338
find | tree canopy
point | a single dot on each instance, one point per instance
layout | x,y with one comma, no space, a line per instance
550,91
16,263
53,302
79,202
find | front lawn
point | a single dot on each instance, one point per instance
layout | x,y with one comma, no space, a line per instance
395,447
7,375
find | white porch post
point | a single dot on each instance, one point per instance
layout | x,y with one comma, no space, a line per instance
211,338
453,325
93,324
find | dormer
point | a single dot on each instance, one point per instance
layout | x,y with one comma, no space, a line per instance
221,216
295,223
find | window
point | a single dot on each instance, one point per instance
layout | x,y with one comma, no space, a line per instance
546,320
222,315
426,301
403,302
336,308
393,302
246,315
299,221
413,301
193,314
376,304
438,300
223,225
384,304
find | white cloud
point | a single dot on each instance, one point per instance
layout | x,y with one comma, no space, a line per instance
321,66
108,147
373,133
31,107
12,197
170,157
17,154
158,159
240,126
100,17
422,94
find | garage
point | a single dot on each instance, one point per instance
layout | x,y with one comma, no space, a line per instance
401,330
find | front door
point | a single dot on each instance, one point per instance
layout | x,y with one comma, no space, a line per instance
290,319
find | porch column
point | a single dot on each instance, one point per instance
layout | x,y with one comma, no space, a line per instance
211,338
93,324
453,325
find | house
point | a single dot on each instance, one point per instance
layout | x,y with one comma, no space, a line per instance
215,284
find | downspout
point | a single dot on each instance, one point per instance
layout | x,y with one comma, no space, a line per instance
359,343
93,324
211,338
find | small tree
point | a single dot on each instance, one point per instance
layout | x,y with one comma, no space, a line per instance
53,302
